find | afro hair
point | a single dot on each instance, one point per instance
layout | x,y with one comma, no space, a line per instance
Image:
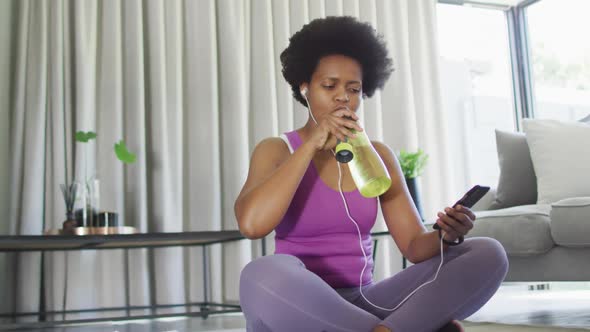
342,35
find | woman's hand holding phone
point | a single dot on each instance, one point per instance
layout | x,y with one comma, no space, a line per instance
458,220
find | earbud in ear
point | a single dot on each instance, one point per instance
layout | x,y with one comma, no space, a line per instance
303,92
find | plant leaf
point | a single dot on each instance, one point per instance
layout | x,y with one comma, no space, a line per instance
84,137
123,154
412,164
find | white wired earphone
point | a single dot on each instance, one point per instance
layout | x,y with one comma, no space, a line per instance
304,95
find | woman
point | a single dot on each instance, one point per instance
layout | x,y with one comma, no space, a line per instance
311,283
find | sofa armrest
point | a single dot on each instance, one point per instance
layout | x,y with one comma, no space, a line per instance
569,222
485,202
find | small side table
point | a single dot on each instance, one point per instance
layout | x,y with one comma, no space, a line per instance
128,241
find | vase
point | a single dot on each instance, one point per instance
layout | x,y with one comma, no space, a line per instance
87,203
413,187
69,192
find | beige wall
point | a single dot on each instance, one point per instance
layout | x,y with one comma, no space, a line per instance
6,45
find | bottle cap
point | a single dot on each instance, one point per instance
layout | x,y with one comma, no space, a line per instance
344,152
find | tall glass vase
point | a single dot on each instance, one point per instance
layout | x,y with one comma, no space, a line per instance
88,203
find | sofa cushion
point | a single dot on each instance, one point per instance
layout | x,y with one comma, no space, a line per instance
517,184
560,158
522,230
570,222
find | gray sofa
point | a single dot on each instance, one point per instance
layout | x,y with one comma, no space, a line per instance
547,238
544,242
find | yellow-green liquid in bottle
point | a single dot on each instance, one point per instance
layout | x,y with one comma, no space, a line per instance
368,170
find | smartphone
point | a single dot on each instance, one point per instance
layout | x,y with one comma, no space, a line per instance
470,198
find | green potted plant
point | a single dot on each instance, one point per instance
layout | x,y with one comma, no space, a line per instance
412,165
81,197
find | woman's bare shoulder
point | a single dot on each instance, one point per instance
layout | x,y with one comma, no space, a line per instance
271,149
384,151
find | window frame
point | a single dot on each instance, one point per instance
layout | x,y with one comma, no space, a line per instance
520,54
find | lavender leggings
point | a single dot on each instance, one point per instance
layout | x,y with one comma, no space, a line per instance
277,293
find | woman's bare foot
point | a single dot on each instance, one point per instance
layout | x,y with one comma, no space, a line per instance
381,328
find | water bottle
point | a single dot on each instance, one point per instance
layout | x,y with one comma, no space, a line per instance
368,170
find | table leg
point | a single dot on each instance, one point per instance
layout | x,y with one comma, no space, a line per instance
127,291
205,306
43,304
151,281
65,295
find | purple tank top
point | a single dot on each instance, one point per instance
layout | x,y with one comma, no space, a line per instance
317,230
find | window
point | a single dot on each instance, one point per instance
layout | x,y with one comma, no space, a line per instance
560,58
477,90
